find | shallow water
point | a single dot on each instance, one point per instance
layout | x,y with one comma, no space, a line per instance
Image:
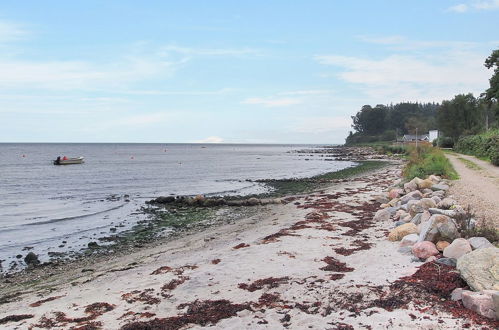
60,208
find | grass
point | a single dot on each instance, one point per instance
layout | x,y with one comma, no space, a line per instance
426,160
469,164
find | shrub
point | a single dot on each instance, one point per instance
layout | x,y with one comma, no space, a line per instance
484,145
445,142
427,160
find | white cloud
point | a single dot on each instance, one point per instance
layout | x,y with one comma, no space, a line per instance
461,8
405,77
475,5
322,124
211,139
272,102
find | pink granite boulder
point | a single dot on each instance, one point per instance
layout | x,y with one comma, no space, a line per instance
424,250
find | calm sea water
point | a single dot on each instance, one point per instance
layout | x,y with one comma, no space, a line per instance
46,208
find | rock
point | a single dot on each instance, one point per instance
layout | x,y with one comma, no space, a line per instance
434,178
199,198
399,214
480,268
382,215
164,200
424,250
430,259
398,223
394,202
457,248
384,206
447,261
417,219
398,233
415,195
426,191
436,199
31,259
252,201
410,186
382,199
479,243
438,193
427,203
449,213
413,207
395,193
438,227
446,203
92,245
440,186
457,294
409,240
495,299
424,184
441,245
480,302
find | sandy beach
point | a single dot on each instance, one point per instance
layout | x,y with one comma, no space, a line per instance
319,261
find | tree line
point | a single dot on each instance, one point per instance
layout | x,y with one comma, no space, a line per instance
463,115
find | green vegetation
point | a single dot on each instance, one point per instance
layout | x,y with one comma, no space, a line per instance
427,160
298,186
469,164
485,145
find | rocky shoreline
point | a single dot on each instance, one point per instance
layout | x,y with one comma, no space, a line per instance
434,228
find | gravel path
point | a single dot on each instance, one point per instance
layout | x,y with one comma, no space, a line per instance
477,187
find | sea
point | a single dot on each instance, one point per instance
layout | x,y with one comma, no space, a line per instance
50,209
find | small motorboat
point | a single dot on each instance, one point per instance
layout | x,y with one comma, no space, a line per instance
68,161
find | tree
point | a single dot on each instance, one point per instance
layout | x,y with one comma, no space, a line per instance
492,93
460,116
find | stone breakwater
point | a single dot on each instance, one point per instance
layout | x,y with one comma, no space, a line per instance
433,227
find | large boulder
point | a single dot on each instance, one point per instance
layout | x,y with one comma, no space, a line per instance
480,302
479,243
409,240
424,250
399,232
414,195
480,269
458,248
382,215
438,227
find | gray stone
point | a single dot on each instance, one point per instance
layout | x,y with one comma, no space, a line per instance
382,215
446,203
438,193
31,259
409,240
479,243
480,269
436,199
438,227
440,186
410,186
480,302
495,299
457,294
447,261
398,223
417,219
414,195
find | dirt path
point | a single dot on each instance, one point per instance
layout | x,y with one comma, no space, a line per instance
478,186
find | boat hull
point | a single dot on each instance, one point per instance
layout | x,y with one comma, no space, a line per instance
69,161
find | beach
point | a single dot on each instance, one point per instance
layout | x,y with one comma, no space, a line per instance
318,260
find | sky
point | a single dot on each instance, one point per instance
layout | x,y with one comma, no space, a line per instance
230,71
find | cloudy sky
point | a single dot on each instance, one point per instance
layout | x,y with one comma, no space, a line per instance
224,71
